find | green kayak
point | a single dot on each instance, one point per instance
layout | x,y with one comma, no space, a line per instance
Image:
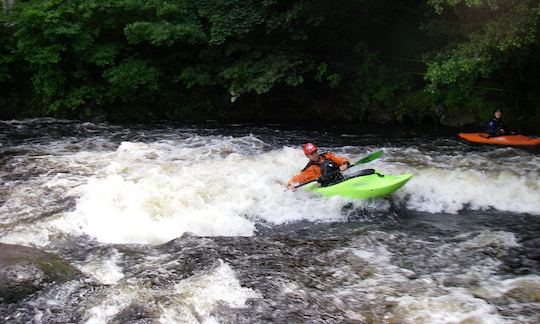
364,186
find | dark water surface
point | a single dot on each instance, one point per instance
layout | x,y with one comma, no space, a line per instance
177,223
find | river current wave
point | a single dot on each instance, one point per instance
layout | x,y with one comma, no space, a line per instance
196,219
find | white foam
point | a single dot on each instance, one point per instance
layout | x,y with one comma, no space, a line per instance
456,306
109,307
424,299
447,183
104,269
192,300
488,238
440,190
529,286
197,297
139,201
37,235
225,186
155,192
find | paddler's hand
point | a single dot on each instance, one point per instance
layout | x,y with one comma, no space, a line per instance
343,167
292,186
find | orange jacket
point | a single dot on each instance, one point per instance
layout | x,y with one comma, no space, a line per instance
313,171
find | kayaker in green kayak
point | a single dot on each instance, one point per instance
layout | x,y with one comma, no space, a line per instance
322,166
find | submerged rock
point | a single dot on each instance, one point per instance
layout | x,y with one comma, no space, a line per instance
25,270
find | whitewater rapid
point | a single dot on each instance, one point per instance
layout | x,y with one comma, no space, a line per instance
187,223
213,185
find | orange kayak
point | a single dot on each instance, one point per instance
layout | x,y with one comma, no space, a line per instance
500,140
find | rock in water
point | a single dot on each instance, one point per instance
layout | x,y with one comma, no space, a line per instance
25,270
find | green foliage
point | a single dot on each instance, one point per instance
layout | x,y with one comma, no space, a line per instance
230,18
126,79
87,53
419,100
373,82
482,35
164,33
322,74
483,108
196,57
6,45
439,5
260,74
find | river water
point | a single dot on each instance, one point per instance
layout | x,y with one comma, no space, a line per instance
180,223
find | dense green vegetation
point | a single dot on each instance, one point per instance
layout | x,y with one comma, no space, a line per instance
270,59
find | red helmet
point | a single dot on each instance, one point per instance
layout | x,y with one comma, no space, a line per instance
310,148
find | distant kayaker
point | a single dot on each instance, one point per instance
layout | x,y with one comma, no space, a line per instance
326,167
496,127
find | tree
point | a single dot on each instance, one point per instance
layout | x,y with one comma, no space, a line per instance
482,37
88,53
